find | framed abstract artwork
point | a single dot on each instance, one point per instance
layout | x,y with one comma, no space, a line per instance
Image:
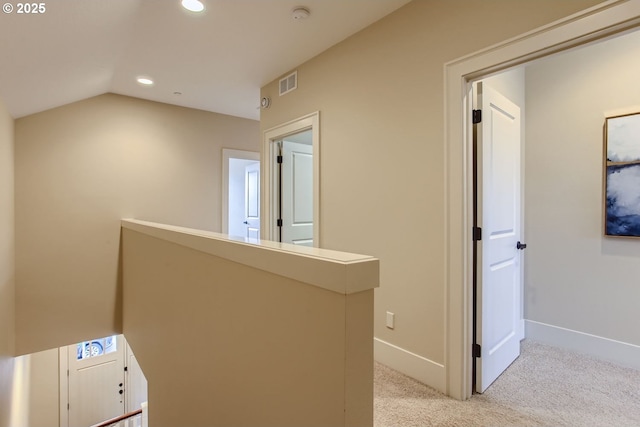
622,176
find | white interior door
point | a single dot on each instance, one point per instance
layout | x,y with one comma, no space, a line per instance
297,193
304,130
96,383
234,197
499,203
252,201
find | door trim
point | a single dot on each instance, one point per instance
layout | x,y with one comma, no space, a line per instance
600,21
268,172
63,399
227,154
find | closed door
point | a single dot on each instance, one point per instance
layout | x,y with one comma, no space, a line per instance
96,381
296,192
498,302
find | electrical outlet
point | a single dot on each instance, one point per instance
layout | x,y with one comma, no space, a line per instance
391,318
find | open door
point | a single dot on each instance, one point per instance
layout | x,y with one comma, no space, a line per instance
240,193
296,190
252,201
290,184
497,290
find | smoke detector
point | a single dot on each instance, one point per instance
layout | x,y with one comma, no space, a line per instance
300,13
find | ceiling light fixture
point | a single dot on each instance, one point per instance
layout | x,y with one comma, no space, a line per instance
193,5
300,13
144,81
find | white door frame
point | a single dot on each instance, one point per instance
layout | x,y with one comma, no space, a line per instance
268,173
600,21
63,397
228,153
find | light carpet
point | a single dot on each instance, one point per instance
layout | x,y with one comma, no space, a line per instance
545,386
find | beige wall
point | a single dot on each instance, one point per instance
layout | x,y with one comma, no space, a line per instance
223,343
7,270
511,84
380,97
36,398
44,389
576,278
82,167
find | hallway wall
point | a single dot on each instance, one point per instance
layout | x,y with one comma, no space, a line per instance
577,279
7,268
36,396
82,167
380,94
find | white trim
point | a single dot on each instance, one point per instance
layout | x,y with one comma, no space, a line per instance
618,352
227,154
340,272
267,179
63,399
522,329
600,21
145,414
420,368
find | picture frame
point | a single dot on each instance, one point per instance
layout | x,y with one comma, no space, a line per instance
622,176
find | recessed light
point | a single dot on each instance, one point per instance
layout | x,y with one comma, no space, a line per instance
193,5
144,81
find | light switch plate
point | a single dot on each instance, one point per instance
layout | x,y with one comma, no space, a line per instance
390,320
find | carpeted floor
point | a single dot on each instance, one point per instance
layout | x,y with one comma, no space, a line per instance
545,386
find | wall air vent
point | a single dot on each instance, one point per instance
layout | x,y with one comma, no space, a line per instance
289,83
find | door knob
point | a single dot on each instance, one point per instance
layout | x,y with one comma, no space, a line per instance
120,392
246,222
521,246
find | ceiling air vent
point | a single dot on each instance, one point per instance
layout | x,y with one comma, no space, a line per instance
289,83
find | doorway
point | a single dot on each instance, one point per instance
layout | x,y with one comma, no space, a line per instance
291,182
593,24
241,194
564,210
100,379
294,165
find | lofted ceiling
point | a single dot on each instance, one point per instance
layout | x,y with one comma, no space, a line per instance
215,61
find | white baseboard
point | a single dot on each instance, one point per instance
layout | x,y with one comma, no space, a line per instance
420,368
618,352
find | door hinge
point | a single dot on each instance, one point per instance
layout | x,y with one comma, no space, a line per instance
279,223
477,350
477,116
477,234
279,159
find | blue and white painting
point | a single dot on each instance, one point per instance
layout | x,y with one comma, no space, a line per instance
622,185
